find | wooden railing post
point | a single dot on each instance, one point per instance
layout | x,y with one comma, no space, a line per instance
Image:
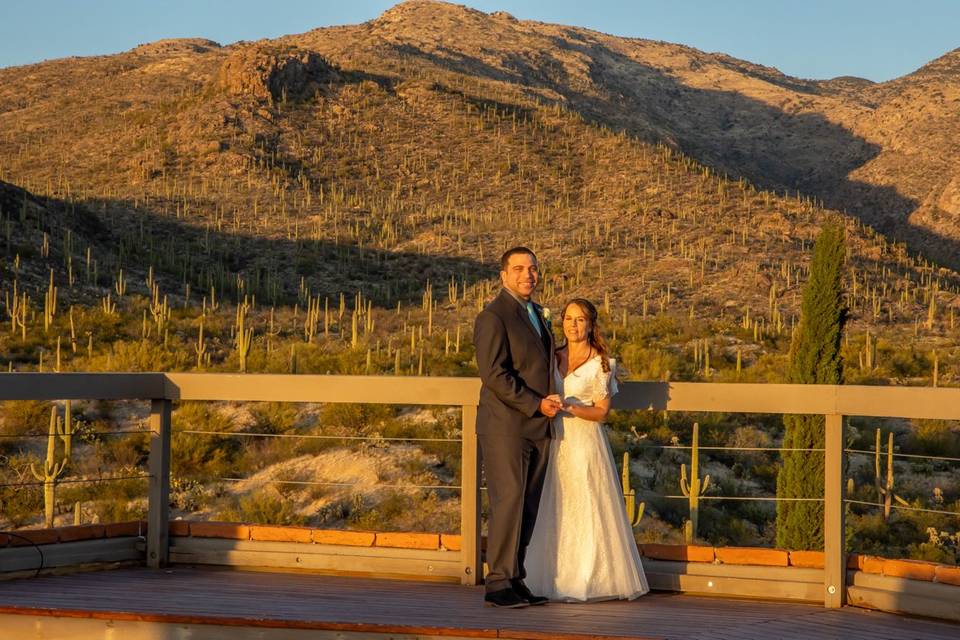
158,548
471,567
834,542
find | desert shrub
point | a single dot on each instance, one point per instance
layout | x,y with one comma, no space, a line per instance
444,424
355,419
186,494
258,453
19,506
408,511
654,530
309,446
142,356
111,500
200,456
906,534
273,417
721,528
125,451
22,417
935,438
909,363
265,506
941,546
652,363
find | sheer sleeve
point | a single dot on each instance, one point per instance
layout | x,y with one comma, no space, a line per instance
605,382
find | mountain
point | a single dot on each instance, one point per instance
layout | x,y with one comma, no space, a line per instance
413,148
884,152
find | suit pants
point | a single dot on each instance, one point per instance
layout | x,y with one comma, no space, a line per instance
515,468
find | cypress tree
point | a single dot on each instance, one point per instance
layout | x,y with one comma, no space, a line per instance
814,359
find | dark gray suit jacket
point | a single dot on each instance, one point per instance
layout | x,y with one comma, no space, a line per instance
516,368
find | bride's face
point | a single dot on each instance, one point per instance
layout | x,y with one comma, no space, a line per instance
576,324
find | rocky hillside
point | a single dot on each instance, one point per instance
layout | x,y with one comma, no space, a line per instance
881,151
342,158
885,152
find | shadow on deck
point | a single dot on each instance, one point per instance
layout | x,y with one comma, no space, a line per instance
195,603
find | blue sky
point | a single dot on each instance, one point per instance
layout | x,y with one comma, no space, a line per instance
875,39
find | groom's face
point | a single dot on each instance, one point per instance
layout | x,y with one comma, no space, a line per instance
522,274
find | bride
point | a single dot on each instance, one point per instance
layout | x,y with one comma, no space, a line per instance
583,547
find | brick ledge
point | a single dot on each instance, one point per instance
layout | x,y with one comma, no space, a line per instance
911,569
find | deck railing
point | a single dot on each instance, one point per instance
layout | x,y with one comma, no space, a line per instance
162,389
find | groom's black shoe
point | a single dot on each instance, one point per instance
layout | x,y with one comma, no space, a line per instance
522,591
506,598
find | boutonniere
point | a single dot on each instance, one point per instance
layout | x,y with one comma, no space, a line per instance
545,312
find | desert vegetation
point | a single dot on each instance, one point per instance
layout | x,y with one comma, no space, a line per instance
262,208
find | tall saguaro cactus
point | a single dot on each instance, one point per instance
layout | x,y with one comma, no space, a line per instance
201,347
693,488
885,486
49,304
244,336
61,430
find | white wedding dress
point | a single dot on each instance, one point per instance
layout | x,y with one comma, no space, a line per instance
583,547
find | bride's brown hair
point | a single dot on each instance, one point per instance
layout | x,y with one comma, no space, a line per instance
594,336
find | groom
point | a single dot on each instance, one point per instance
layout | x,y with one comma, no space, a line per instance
515,358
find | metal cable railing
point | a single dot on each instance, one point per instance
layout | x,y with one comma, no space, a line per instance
80,435
744,498
831,402
348,484
903,455
903,507
77,481
247,434
734,449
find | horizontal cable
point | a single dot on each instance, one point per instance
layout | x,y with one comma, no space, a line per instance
702,448
349,484
904,455
747,498
85,434
40,484
904,508
313,437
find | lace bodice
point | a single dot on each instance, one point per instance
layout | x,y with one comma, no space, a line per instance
588,383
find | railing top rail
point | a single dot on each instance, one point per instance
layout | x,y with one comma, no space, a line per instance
411,390
875,401
81,386
850,400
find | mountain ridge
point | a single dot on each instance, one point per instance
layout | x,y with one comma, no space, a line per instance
880,151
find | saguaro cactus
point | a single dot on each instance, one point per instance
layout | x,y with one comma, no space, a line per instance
61,430
244,336
634,511
18,310
312,319
693,488
200,348
885,486
49,304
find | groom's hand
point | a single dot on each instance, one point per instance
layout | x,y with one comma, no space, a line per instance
550,405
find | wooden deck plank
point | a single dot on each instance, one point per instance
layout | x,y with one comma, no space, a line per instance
299,600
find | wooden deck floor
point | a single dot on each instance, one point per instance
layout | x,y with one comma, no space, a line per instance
185,595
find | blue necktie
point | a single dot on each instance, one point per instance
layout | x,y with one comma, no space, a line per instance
533,318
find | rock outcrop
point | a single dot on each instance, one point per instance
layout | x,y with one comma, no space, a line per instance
275,73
